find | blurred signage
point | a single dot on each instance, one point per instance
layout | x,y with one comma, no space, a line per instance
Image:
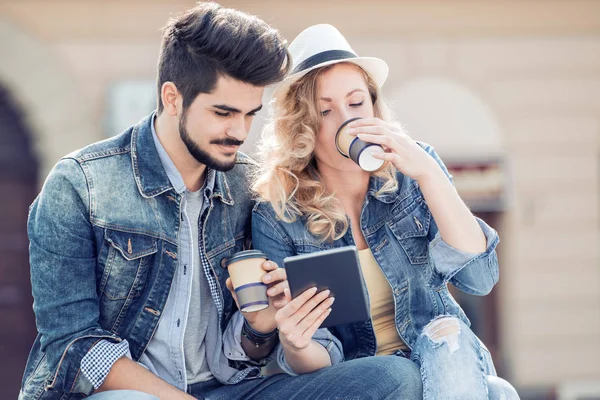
482,185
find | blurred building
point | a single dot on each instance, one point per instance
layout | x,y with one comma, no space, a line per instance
507,91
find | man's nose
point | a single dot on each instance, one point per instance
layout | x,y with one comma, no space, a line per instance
238,129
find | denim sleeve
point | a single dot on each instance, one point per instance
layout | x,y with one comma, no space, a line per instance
62,255
326,339
472,273
232,339
96,364
268,237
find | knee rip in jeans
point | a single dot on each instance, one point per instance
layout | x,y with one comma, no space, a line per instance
444,330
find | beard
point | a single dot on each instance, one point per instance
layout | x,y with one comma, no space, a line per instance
203,156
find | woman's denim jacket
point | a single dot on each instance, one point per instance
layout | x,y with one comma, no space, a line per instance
402,234
103,251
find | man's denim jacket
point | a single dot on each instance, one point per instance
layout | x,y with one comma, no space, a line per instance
404,239
103,251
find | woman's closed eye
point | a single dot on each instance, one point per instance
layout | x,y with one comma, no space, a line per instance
354,105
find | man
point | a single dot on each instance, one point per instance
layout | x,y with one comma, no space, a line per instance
129,240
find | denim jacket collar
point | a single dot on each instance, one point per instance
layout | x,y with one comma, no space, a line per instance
150,176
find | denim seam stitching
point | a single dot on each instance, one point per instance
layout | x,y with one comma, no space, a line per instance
84,157
124,229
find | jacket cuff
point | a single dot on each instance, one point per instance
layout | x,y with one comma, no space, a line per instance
96,364
322,336
232,339
449,261
67,374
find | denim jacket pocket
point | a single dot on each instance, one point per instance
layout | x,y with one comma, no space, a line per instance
410,226
126,264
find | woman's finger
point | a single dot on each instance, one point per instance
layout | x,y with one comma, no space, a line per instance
362,125
370,129
394,158
309,333
384,140
310,319
308,306
365,122
295,304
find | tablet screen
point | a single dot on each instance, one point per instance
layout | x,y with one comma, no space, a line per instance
337,270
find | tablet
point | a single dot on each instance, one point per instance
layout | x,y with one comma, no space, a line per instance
337,270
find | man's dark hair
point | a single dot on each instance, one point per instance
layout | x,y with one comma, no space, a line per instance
209,41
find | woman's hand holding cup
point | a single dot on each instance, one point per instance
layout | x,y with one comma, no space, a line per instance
401,150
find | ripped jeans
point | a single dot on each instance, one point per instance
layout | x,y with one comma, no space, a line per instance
455,364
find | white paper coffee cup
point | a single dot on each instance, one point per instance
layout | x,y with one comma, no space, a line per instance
245,270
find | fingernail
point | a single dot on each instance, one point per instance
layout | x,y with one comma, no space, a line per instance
286,291
314,290
267,277
328,310
332,299
271,291
326,292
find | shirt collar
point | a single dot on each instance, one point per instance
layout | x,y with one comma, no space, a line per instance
174,176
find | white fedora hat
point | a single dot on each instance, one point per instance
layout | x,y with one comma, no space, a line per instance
321,45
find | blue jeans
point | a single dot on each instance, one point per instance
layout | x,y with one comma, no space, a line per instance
122,395
370,378
455,364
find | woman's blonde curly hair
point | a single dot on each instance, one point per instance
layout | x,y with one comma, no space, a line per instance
287,175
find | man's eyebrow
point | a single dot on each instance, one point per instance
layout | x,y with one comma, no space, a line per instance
257,109
227,108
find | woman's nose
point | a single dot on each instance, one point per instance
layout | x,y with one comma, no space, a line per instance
345,115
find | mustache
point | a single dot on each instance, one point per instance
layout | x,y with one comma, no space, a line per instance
228,142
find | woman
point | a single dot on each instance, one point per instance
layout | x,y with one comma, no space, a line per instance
413,232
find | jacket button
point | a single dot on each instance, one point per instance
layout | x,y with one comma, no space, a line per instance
224,262
397,291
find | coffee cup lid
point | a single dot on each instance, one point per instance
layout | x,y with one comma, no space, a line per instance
244,255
